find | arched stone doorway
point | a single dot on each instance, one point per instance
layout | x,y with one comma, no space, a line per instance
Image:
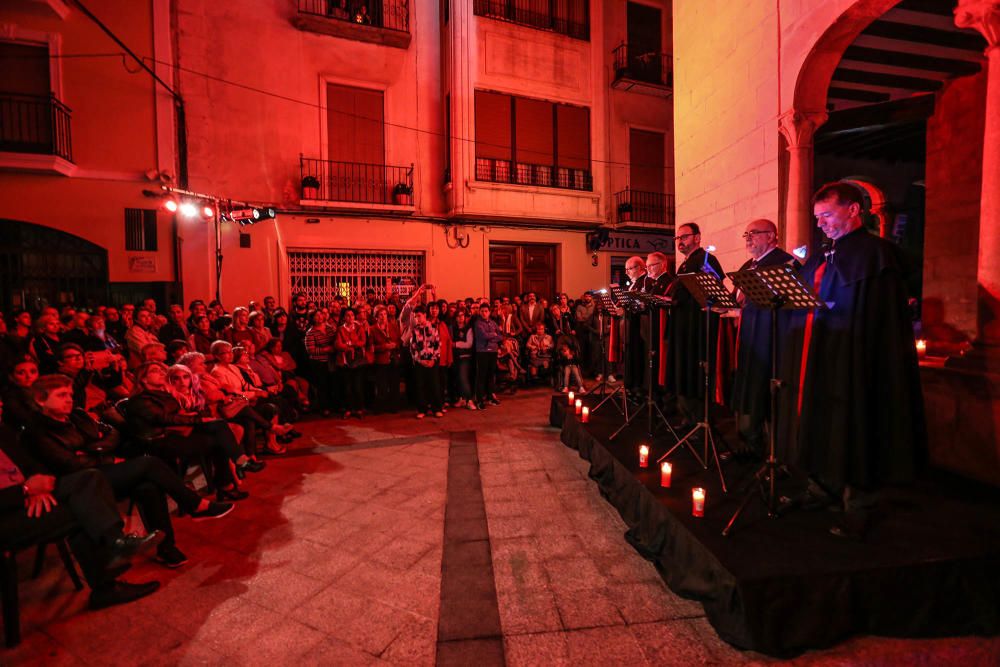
41,266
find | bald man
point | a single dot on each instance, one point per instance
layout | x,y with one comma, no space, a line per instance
751,386
658,274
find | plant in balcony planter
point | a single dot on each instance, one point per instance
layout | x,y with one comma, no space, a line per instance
625,211
402,194
310,187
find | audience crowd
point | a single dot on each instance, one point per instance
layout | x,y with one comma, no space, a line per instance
118,403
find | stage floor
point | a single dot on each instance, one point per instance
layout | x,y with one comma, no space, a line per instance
928,567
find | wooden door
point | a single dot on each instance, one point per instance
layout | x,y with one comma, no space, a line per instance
517,268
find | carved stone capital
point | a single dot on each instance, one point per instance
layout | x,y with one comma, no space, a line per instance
798,127
981,15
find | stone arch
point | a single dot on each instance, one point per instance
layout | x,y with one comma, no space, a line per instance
816,72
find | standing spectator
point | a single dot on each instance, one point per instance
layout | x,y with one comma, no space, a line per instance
488,338
385,343
447,351
300,313
350,357
510,324
587,335
45,343
269,309
425,347
319,342
531,313
464,340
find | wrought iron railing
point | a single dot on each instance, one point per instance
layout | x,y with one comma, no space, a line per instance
541,175
569,17
329,180
640,64
388,14
35,124
653,208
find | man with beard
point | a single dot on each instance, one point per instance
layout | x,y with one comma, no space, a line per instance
751,387
686,328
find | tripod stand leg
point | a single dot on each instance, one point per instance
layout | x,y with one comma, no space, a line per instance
686,442
710,440
628,422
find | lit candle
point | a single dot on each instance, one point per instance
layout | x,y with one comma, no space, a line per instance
665,471
643,456
585,415
579,406
698,501
572,397
921,348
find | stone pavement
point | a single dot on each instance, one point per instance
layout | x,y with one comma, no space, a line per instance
472,539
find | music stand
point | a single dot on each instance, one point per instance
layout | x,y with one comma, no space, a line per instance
771,288
605,306
648,302
710,293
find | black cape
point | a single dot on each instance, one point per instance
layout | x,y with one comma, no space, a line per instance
635,343
751,385
686,330
862,413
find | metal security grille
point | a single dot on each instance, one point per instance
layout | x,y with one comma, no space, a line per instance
324,274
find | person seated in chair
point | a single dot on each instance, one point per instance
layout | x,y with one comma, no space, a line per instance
34,505
540,347
67,440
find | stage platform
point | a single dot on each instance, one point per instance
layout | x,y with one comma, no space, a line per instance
929,567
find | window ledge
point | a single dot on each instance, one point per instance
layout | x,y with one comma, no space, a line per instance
533,189
40,164
395,209
348,30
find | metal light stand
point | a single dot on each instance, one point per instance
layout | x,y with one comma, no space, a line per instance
703,284
604,385
778,287
650,407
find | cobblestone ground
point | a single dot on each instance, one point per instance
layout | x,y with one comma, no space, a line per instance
336,559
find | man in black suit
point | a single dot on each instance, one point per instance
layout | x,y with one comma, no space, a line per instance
635,346
751,386
34,505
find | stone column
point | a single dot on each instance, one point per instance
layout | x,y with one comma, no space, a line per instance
984,16
798,128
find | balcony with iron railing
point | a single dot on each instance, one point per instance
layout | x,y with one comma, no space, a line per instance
645,208
36,125
566,18
493,170
355,183
642,70
384,22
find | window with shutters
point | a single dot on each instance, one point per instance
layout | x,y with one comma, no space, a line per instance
532,142
32,119
140,229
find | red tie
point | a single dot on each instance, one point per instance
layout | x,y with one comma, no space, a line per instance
807,335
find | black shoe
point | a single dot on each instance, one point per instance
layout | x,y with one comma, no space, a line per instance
494,401
213,511
249,466
130,544
222,495
813,499
171,556
121,592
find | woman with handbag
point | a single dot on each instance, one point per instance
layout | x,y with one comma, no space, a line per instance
185,387
351,360
241,403
155,417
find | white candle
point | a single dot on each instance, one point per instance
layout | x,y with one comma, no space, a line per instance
666,470
572,397
698,501
643,456
579,406
921,348
585,415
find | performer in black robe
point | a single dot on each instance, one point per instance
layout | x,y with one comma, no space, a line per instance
751,398
686,328
635,346
861,415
